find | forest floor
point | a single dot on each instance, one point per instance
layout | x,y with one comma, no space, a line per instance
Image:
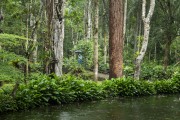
101,76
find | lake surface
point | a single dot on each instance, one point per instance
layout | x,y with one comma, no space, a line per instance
142,108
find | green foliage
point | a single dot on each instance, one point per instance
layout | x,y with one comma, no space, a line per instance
35,67
7,103
166,87
8,73
176,78
175,51
11,39
103,68
157,72
10,61
45,90
73,66
128,87
6,89
153,72
86,46
128,71
11,57
37,92
110,87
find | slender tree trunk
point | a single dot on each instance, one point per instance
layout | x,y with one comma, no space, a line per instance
1,18
96,23
26,47
105,48
34,33
149,58
48,42
85,20
58,35
125,17
116,19
34,23
138,31
73,41
88,21
146,21
104,31
155,52
167,53
171,23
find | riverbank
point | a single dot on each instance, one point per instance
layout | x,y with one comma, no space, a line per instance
162,107
46,90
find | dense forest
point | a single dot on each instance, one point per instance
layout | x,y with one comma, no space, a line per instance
46,45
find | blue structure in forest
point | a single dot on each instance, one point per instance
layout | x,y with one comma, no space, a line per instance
79,56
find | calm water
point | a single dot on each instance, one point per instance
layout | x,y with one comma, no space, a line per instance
143,108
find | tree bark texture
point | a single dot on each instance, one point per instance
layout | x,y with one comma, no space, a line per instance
167,52
58,35
125,17
116,22
146,21
34,24
96,23
88,20
1,18
171,31
48,15
104,30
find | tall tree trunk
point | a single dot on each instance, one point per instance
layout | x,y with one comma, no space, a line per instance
96,23
105,48
169,10
104,31
48,46
167,53
58,35
146,21
155,52
88,20
137,31
34,23
125,17
116,19
26,71
1,18
170,32
33,26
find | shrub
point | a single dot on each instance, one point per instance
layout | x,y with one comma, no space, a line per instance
156,72
44,90
128,71
165,87
38,92
176,78
7,103
110,88
83,90
131,87
9,73
128,87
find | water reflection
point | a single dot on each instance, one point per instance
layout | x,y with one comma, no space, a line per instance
144,108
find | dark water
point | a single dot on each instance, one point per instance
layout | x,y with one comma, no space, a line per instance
143,108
